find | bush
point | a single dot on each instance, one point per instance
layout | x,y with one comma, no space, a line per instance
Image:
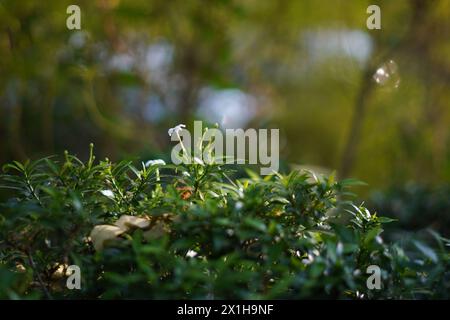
192,231
416,206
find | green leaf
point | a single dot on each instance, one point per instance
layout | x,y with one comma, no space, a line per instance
256,224
372,234
386,220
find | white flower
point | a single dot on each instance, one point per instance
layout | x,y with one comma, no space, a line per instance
108,193
191,254
155,162
176,129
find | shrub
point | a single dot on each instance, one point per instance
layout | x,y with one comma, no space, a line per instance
194,232
416,206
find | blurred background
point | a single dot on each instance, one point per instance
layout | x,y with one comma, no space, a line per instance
370,104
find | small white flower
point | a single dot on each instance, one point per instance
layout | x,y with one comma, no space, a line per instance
108,193
176,129
156,162
191,254
186,174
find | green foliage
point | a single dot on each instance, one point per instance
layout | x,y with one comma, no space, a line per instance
416,206
210,236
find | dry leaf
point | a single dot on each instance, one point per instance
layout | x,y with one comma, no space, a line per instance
155,228
157,231
186,192
102,233
126,222
20,268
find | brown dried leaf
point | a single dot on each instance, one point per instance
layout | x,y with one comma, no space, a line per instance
157,231
186,192
126,223
102,233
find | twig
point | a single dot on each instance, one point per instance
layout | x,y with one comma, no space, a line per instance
44,287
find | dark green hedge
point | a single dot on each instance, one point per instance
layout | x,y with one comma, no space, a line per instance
194,232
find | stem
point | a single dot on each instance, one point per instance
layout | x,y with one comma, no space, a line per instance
43,286
32,190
